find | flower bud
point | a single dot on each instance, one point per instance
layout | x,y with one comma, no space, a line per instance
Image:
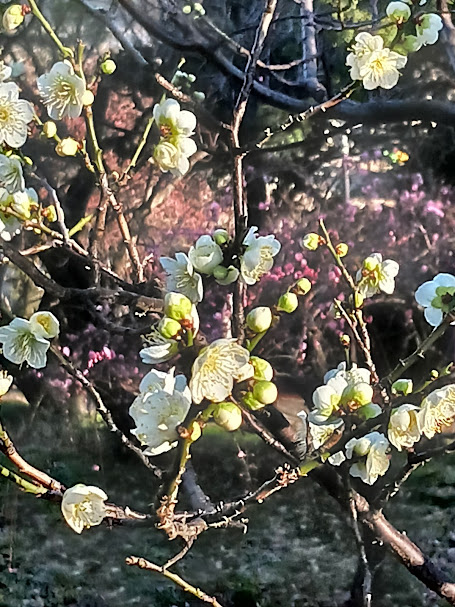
259,319
341,249
228,416
186,10
49,129
108,66
360,393
87,98
67,147
345,340
231,276
220,236
398,12
402,386
199,96
311,241
220,272
265,392
288,303
263,370
177,306
50,213
13,17
168,327
303,286
251,402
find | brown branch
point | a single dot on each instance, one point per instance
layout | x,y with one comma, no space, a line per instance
408,553
187,587
239,201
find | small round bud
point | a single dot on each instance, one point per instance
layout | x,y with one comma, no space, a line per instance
186,10
50,213
13,17
108,66
288,303
265,392
199,96
345,340
67,147
341,249
49,129
87,98
199,8
177,306
168,327
228,416
402,386
220,272
231,276
259,319
434,374
220,236
263,370
311,241
303,286
250,402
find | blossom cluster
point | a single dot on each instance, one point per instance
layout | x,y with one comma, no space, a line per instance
377,65
175,146
211,255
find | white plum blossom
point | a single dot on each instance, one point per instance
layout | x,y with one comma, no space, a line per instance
257,259
375,65
216,368
15,114
372,450
176,128
62,91
181,277
344,392
160,350
377,275
437,410
437,296
5,382
83,506
161,406
205,255
24,341
399,12
427,28
404,429
44,324
11,175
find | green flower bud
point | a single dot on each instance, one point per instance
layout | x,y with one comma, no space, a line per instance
168,327
265,392
259,319
186,10
402,386
88,98
228,416
108,66
251,402
67,147
311,241
360,393
220,236
49,129
288,303
177,306
220,272
13,17
303,286
262,368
